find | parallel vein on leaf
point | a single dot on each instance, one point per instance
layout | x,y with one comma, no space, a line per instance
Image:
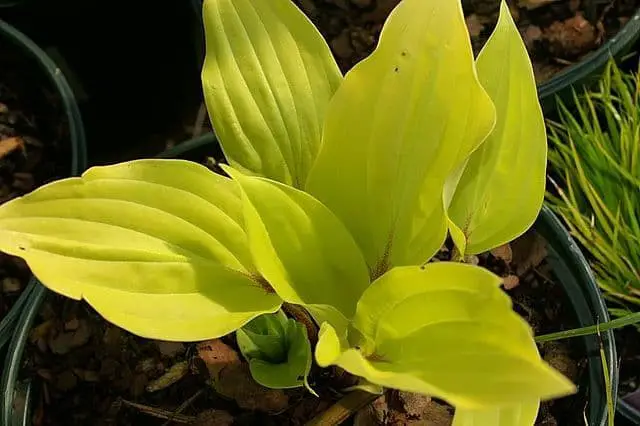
123,204
267,84
225,88
295,174
180,193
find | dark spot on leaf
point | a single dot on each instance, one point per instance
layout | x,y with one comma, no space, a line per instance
21,248
377,358
404,53
300,378
396,69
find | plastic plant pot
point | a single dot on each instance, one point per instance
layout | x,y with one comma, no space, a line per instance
572,271
627,410
568,263
52,73
587,71
15,402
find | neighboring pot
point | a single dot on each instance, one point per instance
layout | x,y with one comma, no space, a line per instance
568,263
41,61
574,274
16,397
628,411
588,69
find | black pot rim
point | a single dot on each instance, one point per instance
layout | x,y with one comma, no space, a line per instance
592,62
55,76
629,412
590,309
78,155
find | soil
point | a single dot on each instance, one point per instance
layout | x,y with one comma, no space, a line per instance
628,345
90,372
33,150
558,33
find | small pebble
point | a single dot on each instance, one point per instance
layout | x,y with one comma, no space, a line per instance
510,282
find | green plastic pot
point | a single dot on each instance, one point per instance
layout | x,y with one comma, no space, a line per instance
10,35
16,399
574,274
568,263
628,412
586,72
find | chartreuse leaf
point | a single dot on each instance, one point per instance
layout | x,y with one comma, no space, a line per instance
267,78
523,414
400,123
446,330
278,351
155,246
502,188
302,249
264,337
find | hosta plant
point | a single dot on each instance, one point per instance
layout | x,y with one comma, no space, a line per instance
339,191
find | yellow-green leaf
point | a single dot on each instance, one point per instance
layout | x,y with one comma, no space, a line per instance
445,330
264,338
278,351
502,188
523,414
267,78
400,123
302,249
295,370
155,246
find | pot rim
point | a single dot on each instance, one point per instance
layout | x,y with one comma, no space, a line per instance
78,156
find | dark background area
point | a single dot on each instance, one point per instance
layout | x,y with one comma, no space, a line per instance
134,66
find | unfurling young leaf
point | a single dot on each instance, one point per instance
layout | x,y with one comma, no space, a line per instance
445,330
500,193
155,246
278,351
267,78
302,249
264,338
400,123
